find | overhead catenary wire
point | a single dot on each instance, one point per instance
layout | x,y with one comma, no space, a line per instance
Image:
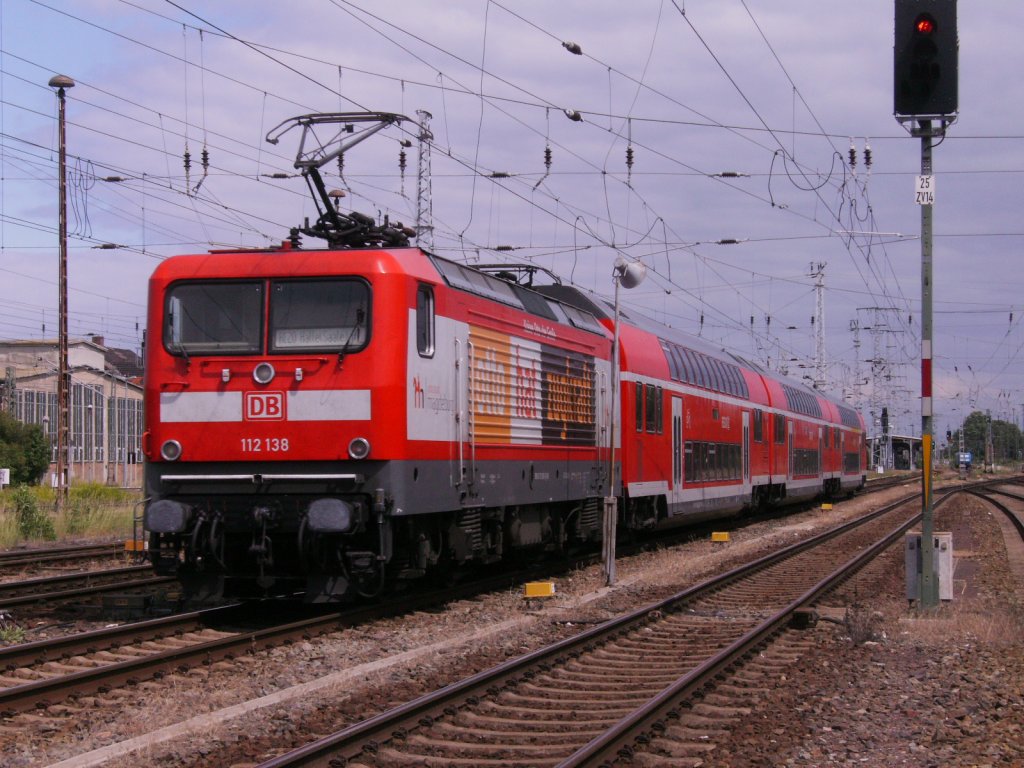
851,206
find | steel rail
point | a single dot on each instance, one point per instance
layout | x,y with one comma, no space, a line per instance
55,649
46,589
22,557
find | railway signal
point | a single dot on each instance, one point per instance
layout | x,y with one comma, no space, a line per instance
924,93
925,57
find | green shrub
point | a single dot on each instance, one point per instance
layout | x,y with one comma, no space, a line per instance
92,511
33,523
23,449
76,519
97,510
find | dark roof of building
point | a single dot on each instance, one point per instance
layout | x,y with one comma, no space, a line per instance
125,362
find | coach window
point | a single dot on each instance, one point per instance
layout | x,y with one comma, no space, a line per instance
674,365
703,372
425,321
653,409
639,407
780,429
215,318
758,425
689,373
716,375
319,316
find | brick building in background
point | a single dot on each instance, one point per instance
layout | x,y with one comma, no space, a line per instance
105,430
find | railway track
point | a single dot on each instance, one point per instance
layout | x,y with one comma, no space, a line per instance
75,586
603,694
21,558
1014,517
46,672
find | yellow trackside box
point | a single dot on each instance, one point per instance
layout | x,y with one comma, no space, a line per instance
539,589
720,536
136,545
826,507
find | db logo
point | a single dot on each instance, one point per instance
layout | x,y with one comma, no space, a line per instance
264,406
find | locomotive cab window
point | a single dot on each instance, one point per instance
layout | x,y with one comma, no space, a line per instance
224,318
425,321
319,316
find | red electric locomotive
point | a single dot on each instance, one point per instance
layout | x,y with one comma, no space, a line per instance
335,421
327,421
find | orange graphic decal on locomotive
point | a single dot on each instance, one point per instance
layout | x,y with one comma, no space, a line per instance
526,392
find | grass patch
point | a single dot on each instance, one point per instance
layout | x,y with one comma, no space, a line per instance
10,632
991,626
93,511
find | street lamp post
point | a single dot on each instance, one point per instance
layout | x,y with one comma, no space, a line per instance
628,275
62,83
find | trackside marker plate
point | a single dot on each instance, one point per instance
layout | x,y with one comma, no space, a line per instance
539,589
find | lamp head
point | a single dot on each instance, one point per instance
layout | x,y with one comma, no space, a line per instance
61,81
629,273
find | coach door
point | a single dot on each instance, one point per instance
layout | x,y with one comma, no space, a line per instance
790,471
676,494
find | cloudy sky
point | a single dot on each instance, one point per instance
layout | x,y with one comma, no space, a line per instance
740,115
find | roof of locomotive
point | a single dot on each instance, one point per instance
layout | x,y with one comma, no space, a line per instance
292,262
286,261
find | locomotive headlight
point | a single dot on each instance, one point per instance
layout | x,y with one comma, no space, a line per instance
171,450
263,373
359,448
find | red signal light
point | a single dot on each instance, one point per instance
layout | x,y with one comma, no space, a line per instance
924,25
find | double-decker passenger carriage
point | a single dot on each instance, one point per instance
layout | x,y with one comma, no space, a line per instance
707,433
334,422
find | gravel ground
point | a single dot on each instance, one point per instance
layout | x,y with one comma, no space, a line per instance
883,687
891,687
